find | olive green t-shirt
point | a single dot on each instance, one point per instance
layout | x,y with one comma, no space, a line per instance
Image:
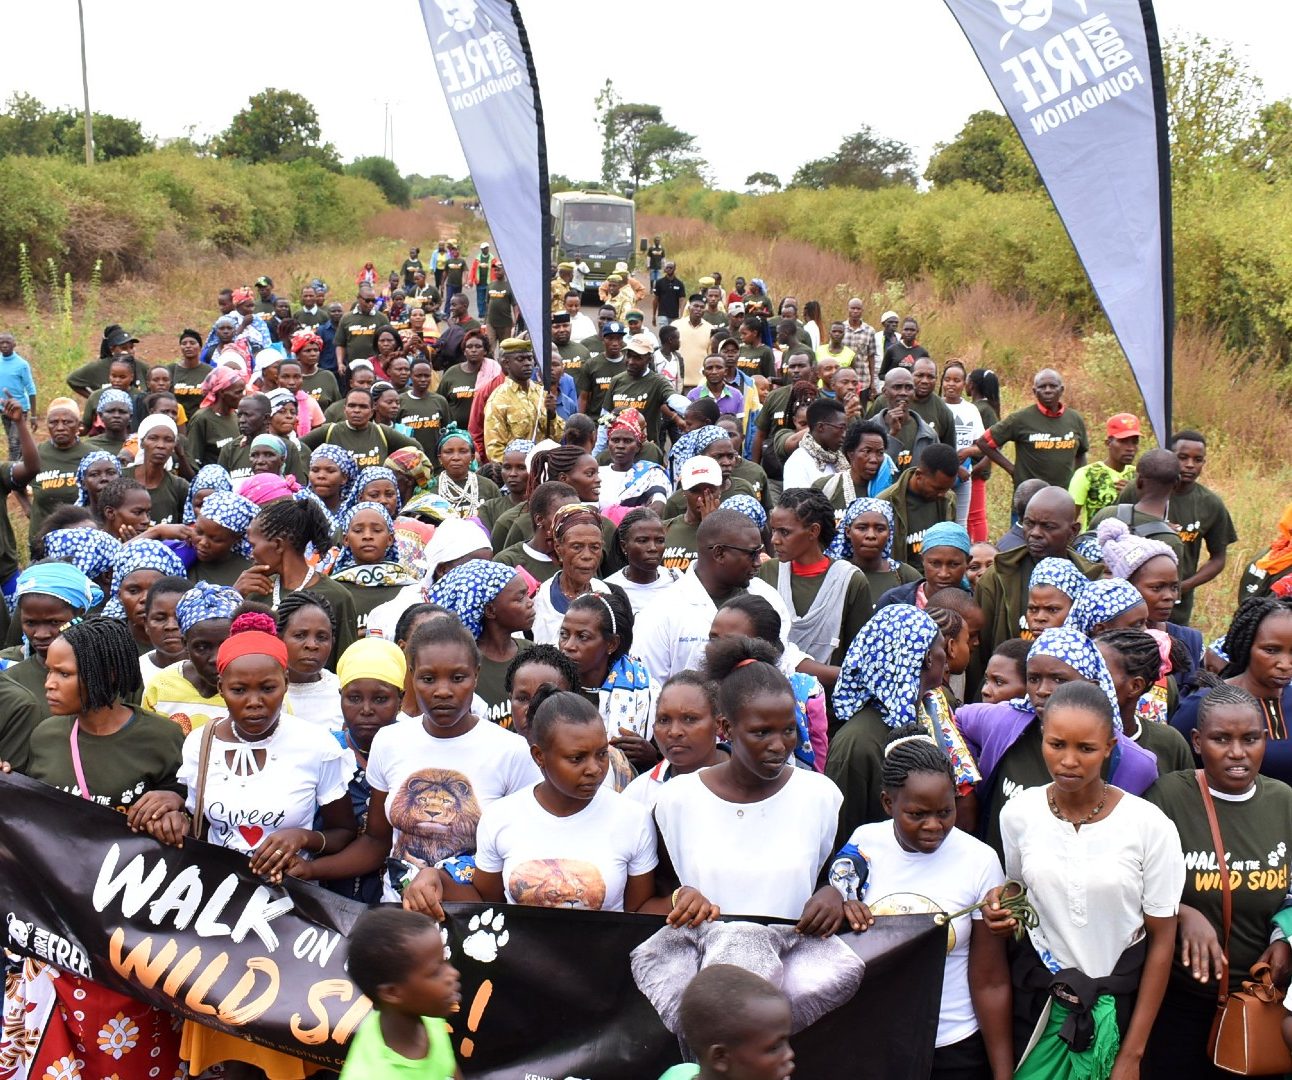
357,333
453,271
225,573
681,548
492,686
646,393
235,458
55,484
208,433
518,554
458,388
1046,447
1021,766
371,446
322,386
594,379
168,497
756,360
427,416
575,356
186,384
858,605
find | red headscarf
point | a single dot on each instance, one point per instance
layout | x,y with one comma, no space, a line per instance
305,337
252,634
241,296
631,421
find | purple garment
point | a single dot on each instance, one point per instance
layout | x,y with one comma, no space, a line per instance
990,730
732,402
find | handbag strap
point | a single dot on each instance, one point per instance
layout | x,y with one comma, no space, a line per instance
204,764
77,768
1226,897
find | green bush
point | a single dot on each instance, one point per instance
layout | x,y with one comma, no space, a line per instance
123,211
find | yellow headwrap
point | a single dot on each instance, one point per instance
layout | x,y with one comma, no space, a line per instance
373,658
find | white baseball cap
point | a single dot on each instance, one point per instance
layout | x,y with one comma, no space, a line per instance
888,315
700,470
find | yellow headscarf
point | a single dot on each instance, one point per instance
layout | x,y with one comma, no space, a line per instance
373,658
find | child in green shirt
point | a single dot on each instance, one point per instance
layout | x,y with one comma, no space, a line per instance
397,959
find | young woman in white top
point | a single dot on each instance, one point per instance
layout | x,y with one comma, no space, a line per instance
752,835
919,861
566,842
430,781
1104,871
640,540
968,427
307,624
687,729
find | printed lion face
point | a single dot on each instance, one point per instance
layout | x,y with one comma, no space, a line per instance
436,812
563,883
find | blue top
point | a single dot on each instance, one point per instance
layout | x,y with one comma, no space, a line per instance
15,377
567,398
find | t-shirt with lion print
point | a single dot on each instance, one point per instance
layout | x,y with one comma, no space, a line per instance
581,861
436,788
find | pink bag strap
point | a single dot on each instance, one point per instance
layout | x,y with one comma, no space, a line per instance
76,760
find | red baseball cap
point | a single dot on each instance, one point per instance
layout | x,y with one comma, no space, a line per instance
1123,426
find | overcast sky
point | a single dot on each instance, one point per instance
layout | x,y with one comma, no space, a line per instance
762,84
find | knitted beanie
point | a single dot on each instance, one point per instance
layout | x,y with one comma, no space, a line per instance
1124,552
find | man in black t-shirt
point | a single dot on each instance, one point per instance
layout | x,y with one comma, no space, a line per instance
264,304
905,350
356,333
655,259
410,266
669,294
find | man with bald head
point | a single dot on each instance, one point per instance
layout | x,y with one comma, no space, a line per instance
908,432
1013,537
1156,478
928,404
672,632
1050,440
1050,524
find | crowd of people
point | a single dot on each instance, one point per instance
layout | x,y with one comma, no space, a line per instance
710,620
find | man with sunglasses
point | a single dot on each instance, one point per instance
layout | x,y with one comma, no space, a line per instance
672,632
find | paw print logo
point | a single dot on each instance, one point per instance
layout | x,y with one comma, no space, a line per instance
487,936
1276,856
444,940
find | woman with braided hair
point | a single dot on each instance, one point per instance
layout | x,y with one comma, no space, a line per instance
280,538
1253,814
1259,644
1134,661
101,748
261,776
307,625
571,465
919,861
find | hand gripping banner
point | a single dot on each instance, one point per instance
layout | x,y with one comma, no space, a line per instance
1082,82
549,993
485,66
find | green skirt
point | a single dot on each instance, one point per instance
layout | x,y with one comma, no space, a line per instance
1053,1059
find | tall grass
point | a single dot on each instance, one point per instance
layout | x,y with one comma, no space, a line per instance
1239,401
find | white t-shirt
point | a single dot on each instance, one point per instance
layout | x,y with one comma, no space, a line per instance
968,423
582,861
959,874
306,768
318,702
641,595
759,858
436,788
547,620
147,668
800,470
1092,886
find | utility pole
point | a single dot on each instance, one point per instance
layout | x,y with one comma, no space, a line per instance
85,85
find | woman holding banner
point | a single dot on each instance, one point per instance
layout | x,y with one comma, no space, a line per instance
103,749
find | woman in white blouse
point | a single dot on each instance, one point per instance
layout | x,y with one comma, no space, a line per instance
1104,871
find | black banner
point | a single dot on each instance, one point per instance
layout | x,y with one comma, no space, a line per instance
545,993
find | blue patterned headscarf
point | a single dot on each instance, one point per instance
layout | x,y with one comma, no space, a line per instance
112,396
208,478
233,512
346,558
343,460
749,506
1102,601
841,547
366,477
695,442
467,589
884,665
91,551
519,446
1061,574
141,554
1070,645
205,601
84,465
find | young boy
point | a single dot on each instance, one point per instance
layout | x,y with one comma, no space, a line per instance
1098,484
397,959
737,1024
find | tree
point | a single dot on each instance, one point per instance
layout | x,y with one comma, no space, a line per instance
987,152
863,160
1210,94
114,137
26,127
382,172
639,146
276,125
606,101
666,152
759,183
1269,149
